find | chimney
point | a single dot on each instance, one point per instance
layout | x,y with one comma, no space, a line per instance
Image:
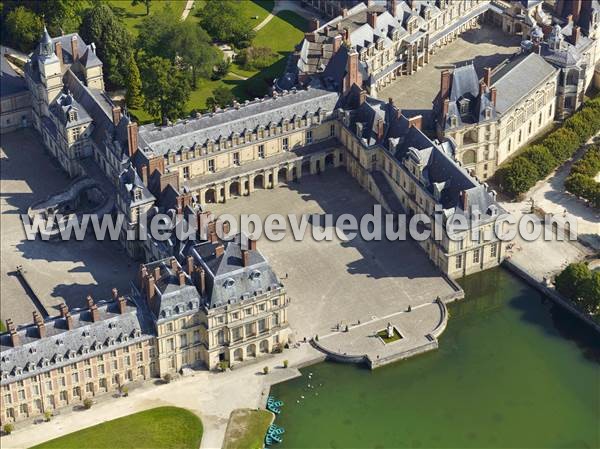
39,322
380,129
487,76
122,302
63,309
372,19
174,264
90,301
575,34
58,51
245,258
310,36
115,294
445,108
212,236
344,12
569,18
116,115
95,313
252,244
416,121
445,83
157,272
493,94
313,24
132,138
219,250
181,278
464,200
352,75
201,280
190,264
145,175
149,288
74,48
337,42
12,330
392,7
481,88
576,9
363,96
69,321
346,35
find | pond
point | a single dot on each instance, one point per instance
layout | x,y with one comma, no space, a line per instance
512,370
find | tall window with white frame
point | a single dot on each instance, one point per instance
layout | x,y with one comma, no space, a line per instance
285,144
309,137
261,151
211,165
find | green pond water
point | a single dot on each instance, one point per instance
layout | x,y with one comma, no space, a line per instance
512,371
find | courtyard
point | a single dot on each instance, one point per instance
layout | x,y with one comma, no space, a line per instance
484,47
339,281
56,271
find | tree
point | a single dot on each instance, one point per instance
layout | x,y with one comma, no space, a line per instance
519,175
133,84
221,97
8,428
87,403
192,44
63,15
156,32
167,378
146,3
541,158
165,88
590,293
570,281
23,28
113,42
221,69
225,22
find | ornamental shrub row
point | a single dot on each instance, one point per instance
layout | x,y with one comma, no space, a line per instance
581,181
538,161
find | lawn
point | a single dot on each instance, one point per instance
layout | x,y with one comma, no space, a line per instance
162,427
133,15
247,429
395,337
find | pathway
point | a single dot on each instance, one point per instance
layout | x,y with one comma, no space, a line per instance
188,8
212,396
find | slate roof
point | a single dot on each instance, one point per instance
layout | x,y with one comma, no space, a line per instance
63,347
519,78
213,126
87,53
228,281
11,83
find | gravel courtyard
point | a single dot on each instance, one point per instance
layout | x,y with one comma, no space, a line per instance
331,282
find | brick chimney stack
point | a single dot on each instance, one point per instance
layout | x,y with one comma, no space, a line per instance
445,83
74,48
157,272
219,250
181,276
494,95
313,24
252,244
90,301
39,322
63,309
487,76
575,34
482,87
245,258
445,108
352,74
201,280
122,302
380,129
132,138
372,18
344,12
190,265
58,51
150,282
464,200
95,313
12,330
337,43
116,115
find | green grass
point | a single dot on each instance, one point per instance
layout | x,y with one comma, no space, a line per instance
132,16
247,429
395,337
162,427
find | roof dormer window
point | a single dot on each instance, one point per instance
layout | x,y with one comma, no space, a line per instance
464,106
228,283
255,275
73,115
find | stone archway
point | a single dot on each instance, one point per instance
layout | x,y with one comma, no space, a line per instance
234,188
469,157
282,175
264,346
330,160
238,355
251,350
306,167
259,181
210,196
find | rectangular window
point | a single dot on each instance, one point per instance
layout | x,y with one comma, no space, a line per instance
309,138
276,319
186,172
88,373
211,165
236,158
249,329
493,249
139,357
7,399
285,144
459,261
75,378
262,325
261,151
331,130
476,256
63,396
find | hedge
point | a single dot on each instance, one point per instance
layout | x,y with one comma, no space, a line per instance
581,181
581,286
538,161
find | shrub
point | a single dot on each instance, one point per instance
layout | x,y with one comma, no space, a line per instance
125,391
580,285
285,363
266,370
8,428
581,181
223,365
47,415
87,403
167,378
221,69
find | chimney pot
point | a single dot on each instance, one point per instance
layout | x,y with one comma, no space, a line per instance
74,48
122,304
150,288
116,115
